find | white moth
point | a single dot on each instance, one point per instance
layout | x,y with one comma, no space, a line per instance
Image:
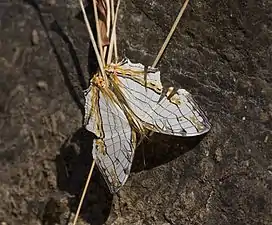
134,102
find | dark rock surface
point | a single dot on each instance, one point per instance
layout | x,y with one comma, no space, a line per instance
221,53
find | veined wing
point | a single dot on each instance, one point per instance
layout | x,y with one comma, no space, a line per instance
140,85
113,151
175,114
146,76
92,119
178,114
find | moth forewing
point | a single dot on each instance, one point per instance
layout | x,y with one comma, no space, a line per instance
134,121
92,116
174,113
115,151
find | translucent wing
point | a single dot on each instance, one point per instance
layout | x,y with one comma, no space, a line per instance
92,119
141,87
174,114
178,114
113,151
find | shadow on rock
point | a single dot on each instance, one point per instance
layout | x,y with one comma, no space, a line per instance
92,60
72,52
73,165
160,149
77,97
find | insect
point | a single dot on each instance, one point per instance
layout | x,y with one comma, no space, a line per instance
126,100
134,103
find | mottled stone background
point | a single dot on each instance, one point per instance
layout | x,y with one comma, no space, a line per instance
221,53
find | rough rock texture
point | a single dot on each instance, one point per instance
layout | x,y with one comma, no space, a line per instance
221,52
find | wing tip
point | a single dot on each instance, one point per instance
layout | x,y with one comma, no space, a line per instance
206,128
